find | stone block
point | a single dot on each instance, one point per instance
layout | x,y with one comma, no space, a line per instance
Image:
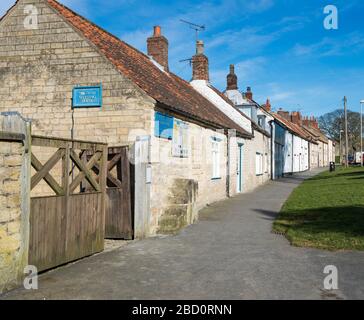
13,160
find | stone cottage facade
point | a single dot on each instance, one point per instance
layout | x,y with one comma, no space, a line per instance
43,62
258,152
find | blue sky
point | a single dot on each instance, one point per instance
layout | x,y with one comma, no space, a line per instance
280,47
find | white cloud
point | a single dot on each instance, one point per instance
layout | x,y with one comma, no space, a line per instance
259,5
331,46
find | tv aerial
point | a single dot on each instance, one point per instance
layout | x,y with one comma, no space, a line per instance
196,27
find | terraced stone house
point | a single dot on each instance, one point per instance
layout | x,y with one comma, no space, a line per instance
187,154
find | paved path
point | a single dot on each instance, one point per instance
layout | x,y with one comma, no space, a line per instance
229,254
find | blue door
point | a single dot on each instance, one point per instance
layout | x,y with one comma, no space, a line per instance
278,161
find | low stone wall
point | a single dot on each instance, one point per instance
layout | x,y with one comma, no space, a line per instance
14,205
10,212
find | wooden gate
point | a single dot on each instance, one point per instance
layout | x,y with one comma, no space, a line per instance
68,225
118,211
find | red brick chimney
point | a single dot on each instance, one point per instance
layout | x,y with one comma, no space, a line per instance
284,114
158,47
232,79
314,123
296,118
200,63
249,93
268,106
306,122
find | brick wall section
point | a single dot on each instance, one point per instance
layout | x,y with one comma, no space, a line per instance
10,213
200,67
39,69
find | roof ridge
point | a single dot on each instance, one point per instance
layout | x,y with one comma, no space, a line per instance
166,88
7,11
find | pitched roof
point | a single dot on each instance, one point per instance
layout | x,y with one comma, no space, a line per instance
206,89
166,88
294,128
231,102
317,133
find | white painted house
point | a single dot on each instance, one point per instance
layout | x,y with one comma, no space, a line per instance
259,150
296,147
240,162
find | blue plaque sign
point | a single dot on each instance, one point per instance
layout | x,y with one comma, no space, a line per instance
87,97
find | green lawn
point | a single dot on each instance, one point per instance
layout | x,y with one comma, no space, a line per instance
326,212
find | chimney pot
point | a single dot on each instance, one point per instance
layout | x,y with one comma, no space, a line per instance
199,47
157,31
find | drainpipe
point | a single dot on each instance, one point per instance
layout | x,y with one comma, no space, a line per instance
292,153
309,156
228,165
272,150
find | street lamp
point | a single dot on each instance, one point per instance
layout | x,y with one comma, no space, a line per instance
361,132
341,148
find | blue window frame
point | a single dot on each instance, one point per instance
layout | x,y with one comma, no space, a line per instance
163,126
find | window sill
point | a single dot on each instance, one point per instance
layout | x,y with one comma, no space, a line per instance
216,178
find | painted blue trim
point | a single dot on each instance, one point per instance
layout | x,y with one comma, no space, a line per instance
163,125
98,98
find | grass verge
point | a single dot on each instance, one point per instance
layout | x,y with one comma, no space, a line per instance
326,212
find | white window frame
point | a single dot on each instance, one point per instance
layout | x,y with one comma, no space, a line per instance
258,164
215,156
266,163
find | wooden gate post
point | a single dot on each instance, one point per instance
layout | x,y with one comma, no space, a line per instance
103,181
141,155
66,189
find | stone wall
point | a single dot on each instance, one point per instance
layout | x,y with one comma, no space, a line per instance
260,143
14,203
39,69
320,151
182,186
314,156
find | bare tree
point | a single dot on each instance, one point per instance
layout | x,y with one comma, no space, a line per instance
331,123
